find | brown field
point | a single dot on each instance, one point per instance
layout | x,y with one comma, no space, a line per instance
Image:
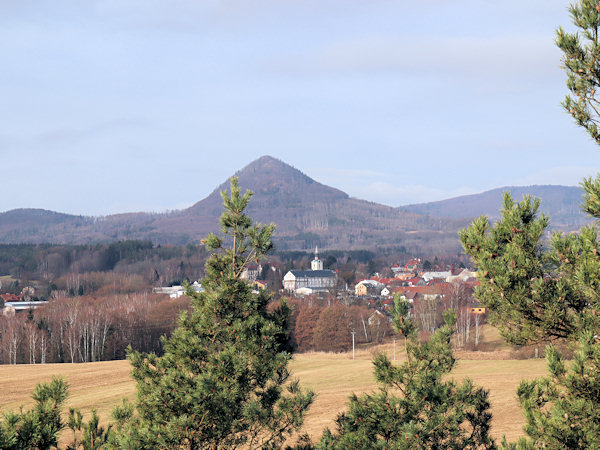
333,376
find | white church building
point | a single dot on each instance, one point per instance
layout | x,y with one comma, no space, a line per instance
315,279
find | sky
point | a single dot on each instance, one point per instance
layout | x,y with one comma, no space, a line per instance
110,106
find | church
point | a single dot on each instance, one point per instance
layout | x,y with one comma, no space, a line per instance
315,279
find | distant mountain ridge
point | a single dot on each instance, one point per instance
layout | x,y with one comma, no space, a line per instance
307,213
561,203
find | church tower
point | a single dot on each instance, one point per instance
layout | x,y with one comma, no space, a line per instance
316,264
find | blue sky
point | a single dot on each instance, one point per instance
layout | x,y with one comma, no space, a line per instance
147,105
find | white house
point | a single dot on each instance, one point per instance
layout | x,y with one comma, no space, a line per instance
428,276
317,278
462,276
177,291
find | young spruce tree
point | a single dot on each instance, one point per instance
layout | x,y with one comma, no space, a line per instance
223,380
415,407
537,291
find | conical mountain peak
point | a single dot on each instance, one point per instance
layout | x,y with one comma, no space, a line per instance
269,175
273,183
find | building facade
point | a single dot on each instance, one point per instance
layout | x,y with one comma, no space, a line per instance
317,278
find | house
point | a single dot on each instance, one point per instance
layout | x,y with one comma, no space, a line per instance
476,308
317,278
8,311
421,292
464,275
9,307
397,269
258,286
411,267
377,317
10,298
304,291
171,291
427,276
405,276
251,272
27,293
177,291
368,287
415,281
360,289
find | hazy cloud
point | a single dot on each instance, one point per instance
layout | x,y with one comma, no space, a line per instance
338,174
564,175
476,58
400,195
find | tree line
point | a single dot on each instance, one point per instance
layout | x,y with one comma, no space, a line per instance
96,328
87,329
50,266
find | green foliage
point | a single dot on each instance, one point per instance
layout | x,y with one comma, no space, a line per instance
536,293
39,427
562,410
581,61
87,436
415,407
513,273
223,380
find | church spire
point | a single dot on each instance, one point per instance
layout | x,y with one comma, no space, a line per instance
316,263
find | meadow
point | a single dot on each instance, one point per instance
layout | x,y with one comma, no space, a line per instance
334,377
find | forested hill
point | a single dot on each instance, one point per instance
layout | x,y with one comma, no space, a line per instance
561,203
307,213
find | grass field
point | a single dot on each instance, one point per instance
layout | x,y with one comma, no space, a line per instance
333,376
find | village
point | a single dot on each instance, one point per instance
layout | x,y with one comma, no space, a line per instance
137,313
409,281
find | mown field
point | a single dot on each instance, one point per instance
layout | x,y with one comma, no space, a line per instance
333,376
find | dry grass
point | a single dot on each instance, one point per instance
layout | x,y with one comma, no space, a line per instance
99,385
333,376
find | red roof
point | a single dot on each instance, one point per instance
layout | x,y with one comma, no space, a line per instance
10,298
420,289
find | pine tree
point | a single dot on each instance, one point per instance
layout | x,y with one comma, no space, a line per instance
415,407
561,410
537,293
545,291
222,380
39,427
87,436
